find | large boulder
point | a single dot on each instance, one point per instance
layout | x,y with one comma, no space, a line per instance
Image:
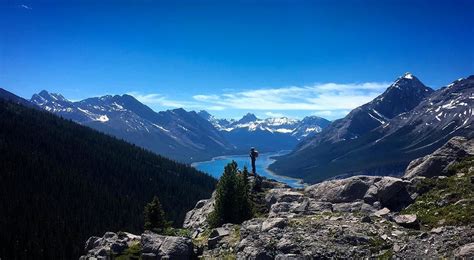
197,217
408,221
390,192
166,246
438,162
283,195
465,251
344,190
109,244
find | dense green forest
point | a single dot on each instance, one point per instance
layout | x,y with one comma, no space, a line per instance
61,183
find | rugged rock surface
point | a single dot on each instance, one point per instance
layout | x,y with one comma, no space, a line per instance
345,235
152,246
438,162
196,218
111,243
383,191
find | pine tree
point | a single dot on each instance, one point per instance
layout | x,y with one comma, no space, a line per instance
243,203
232,198
155,216
245,175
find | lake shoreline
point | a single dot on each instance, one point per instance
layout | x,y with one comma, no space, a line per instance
211,167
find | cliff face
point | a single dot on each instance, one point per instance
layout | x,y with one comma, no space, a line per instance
361,216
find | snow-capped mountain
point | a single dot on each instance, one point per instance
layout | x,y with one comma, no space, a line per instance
401,96
295,127
178,134
270,134
389,146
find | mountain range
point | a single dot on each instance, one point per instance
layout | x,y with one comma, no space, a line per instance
179,134
407,121
270,134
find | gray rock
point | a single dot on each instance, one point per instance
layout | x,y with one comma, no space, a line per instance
274,223
177,247
408,221
381,213
151,242
166,246
216,235
388,191
197,217
438,162
283,195
465,251
339,191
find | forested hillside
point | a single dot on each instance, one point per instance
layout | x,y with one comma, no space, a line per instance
61,182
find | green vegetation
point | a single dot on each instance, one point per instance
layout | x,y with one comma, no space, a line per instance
155,219
61,183
447,201
233,203
131,253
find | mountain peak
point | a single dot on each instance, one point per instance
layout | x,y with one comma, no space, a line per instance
204,114
408,75
249,117
47,96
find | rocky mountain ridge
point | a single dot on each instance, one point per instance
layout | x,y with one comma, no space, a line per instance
360,216
177,134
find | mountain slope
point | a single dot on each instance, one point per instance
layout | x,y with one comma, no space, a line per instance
402,96
60,182
177,134
8,96
387,149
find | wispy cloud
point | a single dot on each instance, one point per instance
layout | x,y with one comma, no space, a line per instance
159,99
25,7
272,114
330,100
318,97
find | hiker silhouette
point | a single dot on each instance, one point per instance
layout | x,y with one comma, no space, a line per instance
253,157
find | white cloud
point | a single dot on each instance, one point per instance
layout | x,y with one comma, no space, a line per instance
159,99
319,97
26,7
330,100
272,114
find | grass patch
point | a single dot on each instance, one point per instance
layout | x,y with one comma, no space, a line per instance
448,201
131,253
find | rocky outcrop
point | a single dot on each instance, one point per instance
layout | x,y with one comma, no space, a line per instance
111,243
196,218
438,162
344,235
152,246
156,246
387,192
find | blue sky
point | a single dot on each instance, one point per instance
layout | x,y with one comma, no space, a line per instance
291,58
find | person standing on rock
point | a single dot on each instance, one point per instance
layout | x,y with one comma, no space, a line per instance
253,157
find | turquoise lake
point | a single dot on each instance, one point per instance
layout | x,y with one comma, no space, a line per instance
215,167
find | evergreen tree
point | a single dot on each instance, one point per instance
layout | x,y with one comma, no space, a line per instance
232,198
155,219
245,175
